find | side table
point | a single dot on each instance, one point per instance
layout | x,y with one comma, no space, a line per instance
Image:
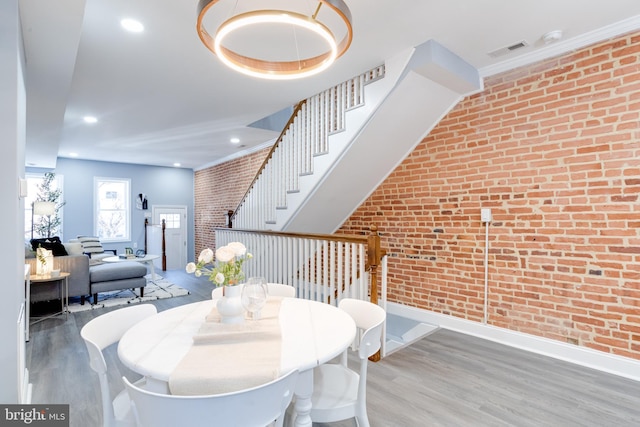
63,281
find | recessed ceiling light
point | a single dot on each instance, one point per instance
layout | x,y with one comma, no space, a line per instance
132,25
177,165
73,154
235,140
90,119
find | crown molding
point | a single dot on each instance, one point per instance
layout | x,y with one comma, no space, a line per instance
562,47
237,155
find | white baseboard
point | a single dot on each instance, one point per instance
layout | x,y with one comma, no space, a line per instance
610,363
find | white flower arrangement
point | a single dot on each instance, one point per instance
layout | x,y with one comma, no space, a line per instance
229,259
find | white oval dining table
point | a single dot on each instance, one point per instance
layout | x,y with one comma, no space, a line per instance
312,334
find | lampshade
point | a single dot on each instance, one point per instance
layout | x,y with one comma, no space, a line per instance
44,208
284,42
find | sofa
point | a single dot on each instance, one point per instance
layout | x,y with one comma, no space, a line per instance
86,276
112,277
79,285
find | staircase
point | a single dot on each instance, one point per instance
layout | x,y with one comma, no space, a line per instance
340,145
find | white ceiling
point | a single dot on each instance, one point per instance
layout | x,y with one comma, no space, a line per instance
161,97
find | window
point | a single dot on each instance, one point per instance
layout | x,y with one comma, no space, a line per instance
38,190
170,220
112,215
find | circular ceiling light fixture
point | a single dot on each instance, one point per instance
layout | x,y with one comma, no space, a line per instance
248,41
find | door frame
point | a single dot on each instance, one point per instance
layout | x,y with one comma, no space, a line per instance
185,209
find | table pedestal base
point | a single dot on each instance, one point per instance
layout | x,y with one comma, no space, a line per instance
302,407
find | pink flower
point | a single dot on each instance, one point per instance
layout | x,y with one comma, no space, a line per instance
206,256
225,254
191,267
238,248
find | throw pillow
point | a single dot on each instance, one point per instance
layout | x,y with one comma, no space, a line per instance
52,244
73,248
91,244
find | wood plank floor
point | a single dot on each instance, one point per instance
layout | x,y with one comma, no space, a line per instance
445,379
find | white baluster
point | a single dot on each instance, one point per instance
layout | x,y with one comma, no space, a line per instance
306,137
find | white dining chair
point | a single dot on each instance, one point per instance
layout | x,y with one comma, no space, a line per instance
339,392
281,290
258,406
273,289
99,334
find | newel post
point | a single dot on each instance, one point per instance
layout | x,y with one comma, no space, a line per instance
228,219
146,224
374,255
164,247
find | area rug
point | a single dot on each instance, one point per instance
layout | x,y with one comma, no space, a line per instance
158,289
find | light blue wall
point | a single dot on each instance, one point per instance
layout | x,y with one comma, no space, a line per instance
162,185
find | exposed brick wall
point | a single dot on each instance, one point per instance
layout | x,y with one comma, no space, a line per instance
554,150
219,189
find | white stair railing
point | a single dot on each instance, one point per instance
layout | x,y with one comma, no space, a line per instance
305,136
323,268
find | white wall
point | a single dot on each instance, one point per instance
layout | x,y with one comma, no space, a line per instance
12,125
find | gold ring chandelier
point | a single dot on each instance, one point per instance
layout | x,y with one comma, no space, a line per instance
338,17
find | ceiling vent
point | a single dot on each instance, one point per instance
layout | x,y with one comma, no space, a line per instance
505,50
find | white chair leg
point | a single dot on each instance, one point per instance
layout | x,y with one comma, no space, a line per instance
362,421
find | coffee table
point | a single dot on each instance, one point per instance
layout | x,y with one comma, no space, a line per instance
147,259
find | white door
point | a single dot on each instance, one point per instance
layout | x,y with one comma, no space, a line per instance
175,218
